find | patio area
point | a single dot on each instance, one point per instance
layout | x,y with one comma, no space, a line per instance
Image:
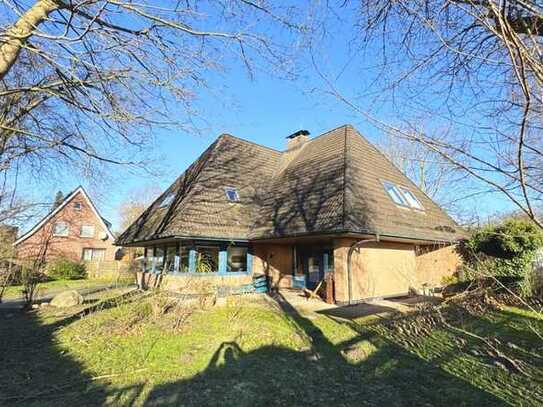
311,308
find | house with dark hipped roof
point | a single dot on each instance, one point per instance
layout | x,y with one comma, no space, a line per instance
331,206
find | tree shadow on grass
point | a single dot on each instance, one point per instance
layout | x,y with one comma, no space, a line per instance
367,370
34,370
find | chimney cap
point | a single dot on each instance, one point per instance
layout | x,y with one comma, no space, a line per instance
299,133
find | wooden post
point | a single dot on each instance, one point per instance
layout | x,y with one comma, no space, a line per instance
329,279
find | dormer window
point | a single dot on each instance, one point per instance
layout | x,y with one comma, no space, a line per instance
77,206
402,196
231,194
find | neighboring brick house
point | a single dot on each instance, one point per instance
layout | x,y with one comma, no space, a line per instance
73,230
329,207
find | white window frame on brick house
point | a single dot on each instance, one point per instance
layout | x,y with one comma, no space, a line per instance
95,254
87,231
57,231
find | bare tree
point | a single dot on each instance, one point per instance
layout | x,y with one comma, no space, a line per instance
84,83
435,176
472,66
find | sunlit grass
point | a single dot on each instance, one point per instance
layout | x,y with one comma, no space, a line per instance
251,352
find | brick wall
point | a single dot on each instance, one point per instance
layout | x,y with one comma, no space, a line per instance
71,246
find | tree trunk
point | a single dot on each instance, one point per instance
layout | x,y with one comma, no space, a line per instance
17,35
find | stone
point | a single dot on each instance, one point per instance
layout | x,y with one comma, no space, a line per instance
67,299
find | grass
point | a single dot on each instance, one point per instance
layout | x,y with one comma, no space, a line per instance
254,352
14,292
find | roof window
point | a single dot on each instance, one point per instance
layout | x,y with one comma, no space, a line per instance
231,194
168,199
402,196
411,198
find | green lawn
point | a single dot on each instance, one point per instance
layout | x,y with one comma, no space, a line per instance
253,352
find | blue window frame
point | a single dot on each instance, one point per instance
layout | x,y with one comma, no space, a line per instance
198,258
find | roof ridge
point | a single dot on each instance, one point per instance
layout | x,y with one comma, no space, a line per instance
345,152
250,142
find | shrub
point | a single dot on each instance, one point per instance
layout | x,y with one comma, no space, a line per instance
511,239
503,250
64,269
31,277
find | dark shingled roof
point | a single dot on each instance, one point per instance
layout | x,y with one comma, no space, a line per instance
330,184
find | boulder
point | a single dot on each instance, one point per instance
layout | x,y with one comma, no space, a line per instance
67,299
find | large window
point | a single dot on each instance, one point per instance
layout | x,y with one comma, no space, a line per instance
149,259
236,259
159,259
87,231
60,229
91,254
203,258
183,259
207,259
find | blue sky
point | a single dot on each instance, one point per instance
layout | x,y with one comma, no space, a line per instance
264,110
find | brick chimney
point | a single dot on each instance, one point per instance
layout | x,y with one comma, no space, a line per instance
295,140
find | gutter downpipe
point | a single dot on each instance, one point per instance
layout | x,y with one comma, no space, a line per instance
353,247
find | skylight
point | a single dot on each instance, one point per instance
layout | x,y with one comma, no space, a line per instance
402,196
411,198
167,201
395,194
231,194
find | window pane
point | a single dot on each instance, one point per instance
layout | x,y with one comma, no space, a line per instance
412,199
159,259
207,259
87,230
149,260
232,194
167,200
60,229
87,254
237,259
395,194
169,267
98,254
184,259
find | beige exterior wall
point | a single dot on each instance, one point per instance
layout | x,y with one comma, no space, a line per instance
378,270
434,263
387,269
71,246
275,261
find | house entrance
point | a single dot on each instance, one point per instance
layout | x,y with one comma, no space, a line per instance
315,263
